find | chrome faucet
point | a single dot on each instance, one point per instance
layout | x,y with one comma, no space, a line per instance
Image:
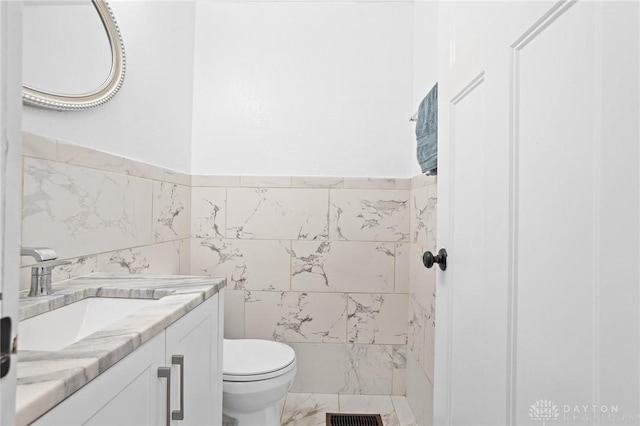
41,271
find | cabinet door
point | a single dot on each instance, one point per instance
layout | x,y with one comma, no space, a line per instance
195,339
129,393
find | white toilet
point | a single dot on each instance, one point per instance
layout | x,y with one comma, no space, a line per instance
257,374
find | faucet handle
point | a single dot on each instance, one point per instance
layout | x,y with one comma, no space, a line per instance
41,276
40,254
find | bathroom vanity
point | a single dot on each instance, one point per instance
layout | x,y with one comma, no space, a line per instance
160,364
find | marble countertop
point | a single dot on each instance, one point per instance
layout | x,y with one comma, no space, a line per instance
47,378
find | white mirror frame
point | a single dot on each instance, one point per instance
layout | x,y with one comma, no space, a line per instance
71,102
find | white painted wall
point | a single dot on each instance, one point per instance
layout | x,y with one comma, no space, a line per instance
303,88
71,28
280,88
150,118
425,60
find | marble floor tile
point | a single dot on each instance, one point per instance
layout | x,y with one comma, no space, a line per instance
281,406
403,411
306,409
302,409
370,404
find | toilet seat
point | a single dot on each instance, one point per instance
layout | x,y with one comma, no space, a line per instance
258,377
248,360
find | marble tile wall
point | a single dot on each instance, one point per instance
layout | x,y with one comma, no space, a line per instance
318,262
102,212
420,354
327,264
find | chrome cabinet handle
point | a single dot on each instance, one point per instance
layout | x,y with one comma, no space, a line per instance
165,373
179,360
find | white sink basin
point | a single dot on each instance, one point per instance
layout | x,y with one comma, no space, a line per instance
57,329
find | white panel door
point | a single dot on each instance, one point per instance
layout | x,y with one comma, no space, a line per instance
471,296
10,184
538,313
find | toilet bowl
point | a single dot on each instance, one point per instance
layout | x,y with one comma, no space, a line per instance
257,374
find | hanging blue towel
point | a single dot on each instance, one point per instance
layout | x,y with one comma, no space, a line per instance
427,132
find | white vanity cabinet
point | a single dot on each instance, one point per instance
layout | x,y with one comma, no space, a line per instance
132,393
198,343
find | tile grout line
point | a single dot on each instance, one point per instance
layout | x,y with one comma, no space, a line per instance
311,240
290,265
284,404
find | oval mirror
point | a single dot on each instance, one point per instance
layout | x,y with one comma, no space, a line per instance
68,63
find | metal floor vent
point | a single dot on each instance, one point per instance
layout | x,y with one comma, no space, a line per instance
334,419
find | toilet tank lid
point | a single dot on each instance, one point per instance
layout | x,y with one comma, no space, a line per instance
248,357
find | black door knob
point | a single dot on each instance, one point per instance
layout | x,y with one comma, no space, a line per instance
441,259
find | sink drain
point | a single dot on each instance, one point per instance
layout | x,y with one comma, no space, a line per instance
334,419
